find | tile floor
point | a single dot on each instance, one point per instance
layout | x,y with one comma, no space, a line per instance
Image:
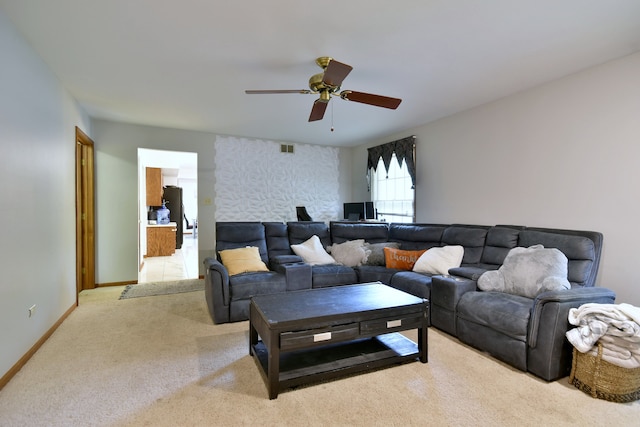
183,264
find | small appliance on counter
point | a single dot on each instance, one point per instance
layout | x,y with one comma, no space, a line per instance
162,214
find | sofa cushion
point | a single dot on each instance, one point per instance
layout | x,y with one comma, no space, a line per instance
417,284
300,232
416,236
371,232
242,260
528,272
375,273
505,313
471,237
231,235
376,257
439,260
312,252
245,285
500,240
332,275
578,246
401,259
350,253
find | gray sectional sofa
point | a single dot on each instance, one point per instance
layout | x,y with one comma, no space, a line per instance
527,333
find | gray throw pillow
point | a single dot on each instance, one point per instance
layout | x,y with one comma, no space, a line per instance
376,257
528,272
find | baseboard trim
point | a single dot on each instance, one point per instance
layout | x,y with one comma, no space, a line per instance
29,354
127,282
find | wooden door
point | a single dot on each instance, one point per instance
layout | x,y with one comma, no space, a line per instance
85,213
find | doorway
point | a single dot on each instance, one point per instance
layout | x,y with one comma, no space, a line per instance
85,214
170,173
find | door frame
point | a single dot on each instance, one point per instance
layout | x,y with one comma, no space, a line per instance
85,213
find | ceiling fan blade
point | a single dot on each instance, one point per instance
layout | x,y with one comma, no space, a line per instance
335,73
371,99
262,92
317,112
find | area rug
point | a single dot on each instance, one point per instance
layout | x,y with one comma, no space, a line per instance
162,288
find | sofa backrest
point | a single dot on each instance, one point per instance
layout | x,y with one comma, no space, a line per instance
277,236
416,236
582,248
233,235
302,231
500,240
370,232
471,237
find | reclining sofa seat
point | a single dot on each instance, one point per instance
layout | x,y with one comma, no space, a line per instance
427,236
526,333
227,296
322,275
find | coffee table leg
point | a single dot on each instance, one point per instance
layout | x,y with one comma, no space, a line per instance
273,361
423,346
253,338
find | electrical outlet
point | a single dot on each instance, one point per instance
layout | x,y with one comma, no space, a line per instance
32,310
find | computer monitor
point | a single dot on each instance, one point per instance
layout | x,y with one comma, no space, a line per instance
357,211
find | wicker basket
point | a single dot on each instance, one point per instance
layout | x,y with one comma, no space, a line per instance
604,380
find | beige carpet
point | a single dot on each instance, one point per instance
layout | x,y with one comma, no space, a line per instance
160,361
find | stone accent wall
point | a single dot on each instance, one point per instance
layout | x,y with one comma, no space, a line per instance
256,181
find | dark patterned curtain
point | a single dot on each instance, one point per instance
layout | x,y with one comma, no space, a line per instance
404,149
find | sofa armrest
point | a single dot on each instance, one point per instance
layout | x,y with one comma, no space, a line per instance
298,275
446,291
216,287
563,301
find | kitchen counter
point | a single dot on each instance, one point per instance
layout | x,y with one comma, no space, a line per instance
171,224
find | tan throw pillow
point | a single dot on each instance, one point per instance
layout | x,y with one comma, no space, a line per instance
242,260
312,252
439,260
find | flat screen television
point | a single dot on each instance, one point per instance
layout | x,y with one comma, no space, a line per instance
357,211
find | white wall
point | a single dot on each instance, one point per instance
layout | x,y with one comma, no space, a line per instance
37,171
117,191
563,155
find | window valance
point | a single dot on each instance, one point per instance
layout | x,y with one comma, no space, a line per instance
404,150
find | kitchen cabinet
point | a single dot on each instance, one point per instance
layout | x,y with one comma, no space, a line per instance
154,186
161,239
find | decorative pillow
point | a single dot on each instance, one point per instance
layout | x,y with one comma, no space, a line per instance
242,260
351,253
528,272
312,252
376,257
439,260
401,260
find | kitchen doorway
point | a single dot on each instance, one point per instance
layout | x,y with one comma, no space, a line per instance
167,241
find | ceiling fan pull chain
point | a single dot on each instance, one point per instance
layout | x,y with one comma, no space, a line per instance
332,117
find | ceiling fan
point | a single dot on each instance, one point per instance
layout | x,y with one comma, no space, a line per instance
328,83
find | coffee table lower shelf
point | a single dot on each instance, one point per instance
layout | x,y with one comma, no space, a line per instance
336,360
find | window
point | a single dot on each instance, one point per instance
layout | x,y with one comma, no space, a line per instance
392,193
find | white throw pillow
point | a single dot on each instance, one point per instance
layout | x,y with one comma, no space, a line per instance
439,260
351,253
312,252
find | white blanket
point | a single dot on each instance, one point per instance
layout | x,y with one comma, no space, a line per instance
616,326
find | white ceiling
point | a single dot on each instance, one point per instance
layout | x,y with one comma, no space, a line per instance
185,64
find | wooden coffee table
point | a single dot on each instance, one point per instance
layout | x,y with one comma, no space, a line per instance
313,335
